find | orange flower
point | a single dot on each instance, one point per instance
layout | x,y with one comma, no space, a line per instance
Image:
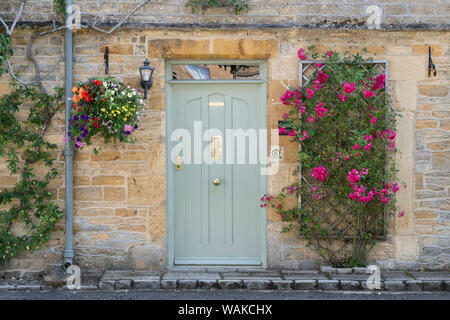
75,98
74,89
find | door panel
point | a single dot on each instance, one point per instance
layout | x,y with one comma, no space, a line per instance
217,224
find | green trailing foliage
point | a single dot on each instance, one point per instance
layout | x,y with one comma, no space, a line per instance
29,158
59,6
239,6
5,52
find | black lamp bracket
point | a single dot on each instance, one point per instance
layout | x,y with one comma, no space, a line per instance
431,65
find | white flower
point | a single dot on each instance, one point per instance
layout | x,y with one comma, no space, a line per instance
129,95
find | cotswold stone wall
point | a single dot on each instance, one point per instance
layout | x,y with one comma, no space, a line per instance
120,213
395,14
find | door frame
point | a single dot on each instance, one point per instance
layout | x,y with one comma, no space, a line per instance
170,233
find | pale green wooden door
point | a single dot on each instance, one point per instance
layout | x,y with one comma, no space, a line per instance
217,224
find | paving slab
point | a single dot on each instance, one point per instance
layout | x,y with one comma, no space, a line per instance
123,284
414,285
395,275
169,284
191,276
306,276
305,284
350,285
283,284
445,276
231,284
129,275
394,285
106,285
432,285
261,284
187,284
328,284
147,284
208,284
349,277
299,271
246,275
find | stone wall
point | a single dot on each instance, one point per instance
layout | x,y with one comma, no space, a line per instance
120,214
395,14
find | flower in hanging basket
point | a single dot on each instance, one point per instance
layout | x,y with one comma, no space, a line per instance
104,107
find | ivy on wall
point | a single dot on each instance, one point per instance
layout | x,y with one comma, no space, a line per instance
239,6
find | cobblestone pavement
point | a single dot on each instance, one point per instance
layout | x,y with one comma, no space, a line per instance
251,280
218,295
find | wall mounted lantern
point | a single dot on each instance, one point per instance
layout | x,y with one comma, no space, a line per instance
146,72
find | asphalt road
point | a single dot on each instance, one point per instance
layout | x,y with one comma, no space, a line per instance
218,295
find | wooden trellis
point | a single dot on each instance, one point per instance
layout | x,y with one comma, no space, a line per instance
307,70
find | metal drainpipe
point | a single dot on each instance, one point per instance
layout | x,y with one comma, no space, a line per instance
68,149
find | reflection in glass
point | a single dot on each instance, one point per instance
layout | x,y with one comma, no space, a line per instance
215,72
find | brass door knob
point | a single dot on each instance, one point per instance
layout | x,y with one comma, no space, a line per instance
217,182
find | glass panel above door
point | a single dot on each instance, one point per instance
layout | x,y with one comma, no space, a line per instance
215,72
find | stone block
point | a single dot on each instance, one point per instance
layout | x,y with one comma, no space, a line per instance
108,181
359,270
106,285
208,284
344,270
305,284
432,285
118,48
105,156
414,285
328,284
123,284
87,194
394,285
349,285
179,49
244,48
147,284
169,284
433,90
407,247
113,194
258,284
327,269
187,284
146,190
231,284
283,284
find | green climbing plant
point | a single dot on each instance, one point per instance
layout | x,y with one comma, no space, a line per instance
5,52
239,6
59,7
29,158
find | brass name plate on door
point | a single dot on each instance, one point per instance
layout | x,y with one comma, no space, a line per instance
216,148
217,104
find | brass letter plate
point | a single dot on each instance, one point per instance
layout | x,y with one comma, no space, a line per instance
216,148
217,104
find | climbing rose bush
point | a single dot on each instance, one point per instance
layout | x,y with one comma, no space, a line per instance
346,131
103,107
